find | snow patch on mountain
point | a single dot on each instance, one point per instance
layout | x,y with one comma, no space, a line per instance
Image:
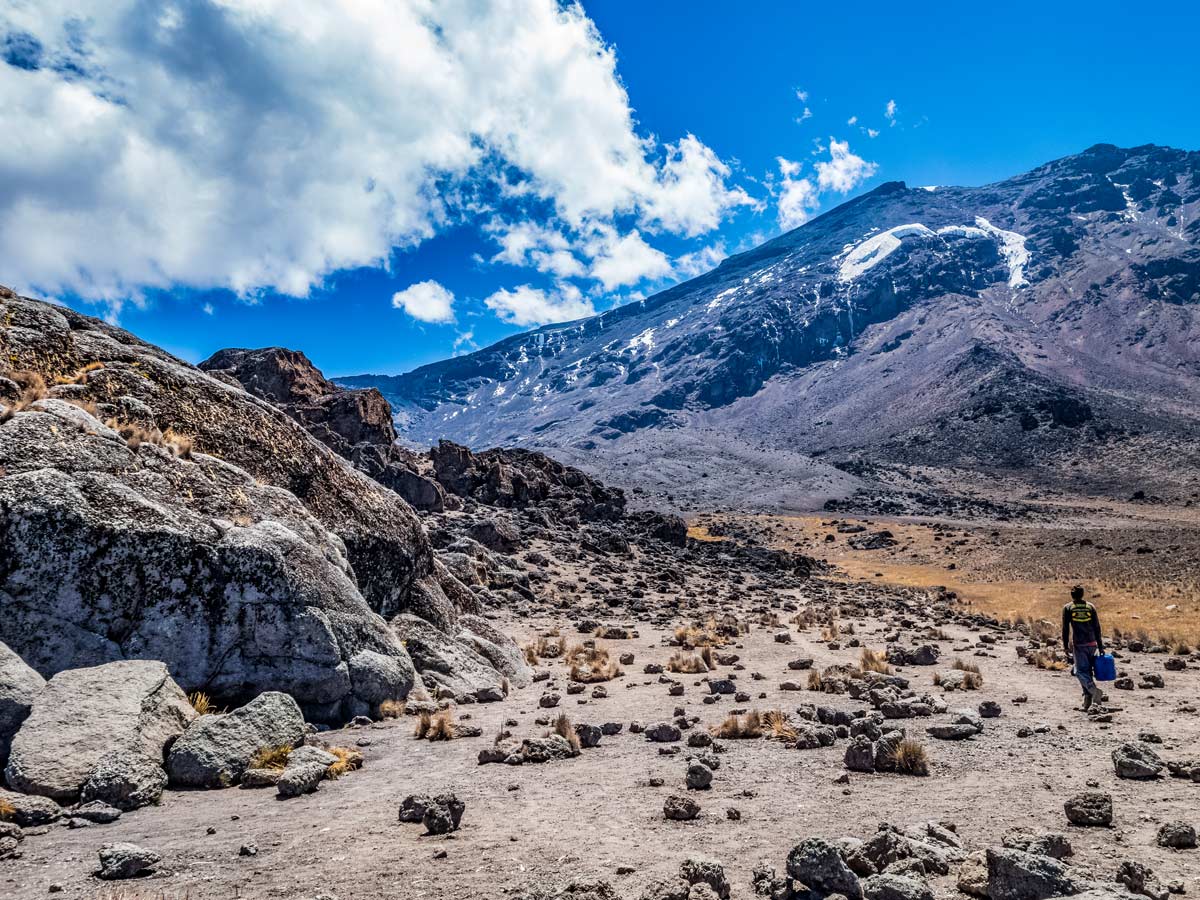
1012,248
875,250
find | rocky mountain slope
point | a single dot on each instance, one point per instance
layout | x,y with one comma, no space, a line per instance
1047,326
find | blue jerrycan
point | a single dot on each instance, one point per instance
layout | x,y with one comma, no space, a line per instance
1106,667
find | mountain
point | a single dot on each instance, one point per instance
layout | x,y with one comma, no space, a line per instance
1046,327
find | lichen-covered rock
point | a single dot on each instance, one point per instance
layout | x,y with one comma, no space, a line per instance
217,749
19,686
85,714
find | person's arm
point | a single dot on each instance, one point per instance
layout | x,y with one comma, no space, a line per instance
1099,633
1066,626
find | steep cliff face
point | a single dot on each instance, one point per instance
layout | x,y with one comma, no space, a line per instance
985,327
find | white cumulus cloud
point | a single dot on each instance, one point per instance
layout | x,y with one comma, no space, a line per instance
889,111
624,259
526,305
264,144
426,301
844,170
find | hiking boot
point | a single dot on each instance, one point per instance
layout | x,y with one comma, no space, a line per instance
1097,696
1087,702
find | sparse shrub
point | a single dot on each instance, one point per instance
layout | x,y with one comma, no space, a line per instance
271,757
706,654
530,652
972,681
874,661
392,709
964,666
564,729
830,632
7,810
742,727
686,663
910,758
815,681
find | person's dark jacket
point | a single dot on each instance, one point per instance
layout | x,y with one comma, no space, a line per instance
1081,625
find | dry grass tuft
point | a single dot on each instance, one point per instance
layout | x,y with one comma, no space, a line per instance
964,666
79,376
271,757
706,634
33,388
564,729
590,664
874,661
348,760
830,632
815,681
737,727
437,726
686,663
910,758
7,810
1049,660
392,709
779,725
202,704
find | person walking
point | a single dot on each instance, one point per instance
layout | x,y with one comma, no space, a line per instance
1083,641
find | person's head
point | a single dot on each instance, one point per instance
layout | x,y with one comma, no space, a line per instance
1077,593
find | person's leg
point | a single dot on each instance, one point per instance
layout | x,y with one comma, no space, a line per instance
1083,671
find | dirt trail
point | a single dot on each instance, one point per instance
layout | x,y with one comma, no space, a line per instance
588,816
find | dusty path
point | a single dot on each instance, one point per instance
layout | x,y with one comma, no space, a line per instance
589,816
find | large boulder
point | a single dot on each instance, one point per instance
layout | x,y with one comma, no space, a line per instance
217,749
19,687
126,550
85,714
448,666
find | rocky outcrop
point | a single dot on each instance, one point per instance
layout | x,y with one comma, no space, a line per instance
217,749
85,714
19,687
143,501
357,424
520,479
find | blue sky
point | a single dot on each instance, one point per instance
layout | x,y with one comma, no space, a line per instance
278,174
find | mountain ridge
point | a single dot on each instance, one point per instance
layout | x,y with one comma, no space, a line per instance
839,339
